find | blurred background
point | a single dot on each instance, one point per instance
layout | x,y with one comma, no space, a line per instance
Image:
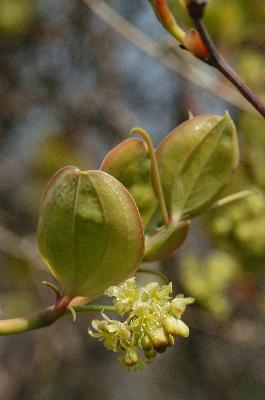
75,77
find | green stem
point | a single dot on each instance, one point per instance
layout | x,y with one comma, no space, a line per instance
93,308
232,198
227,200
159,274
37,320
31,322
155,177
45,317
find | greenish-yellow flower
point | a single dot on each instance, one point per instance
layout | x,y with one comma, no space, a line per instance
152,321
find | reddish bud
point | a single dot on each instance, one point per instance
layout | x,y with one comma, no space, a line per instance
194,43
163,12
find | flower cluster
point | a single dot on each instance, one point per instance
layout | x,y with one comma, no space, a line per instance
153,318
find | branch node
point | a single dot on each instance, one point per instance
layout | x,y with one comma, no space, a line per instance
196,8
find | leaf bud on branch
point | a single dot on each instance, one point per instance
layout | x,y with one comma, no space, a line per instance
167,19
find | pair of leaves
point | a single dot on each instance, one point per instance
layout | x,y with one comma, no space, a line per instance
90,231
195,162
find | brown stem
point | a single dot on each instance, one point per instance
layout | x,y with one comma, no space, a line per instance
216,60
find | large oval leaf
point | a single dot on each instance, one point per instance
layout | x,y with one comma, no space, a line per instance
196,160
130,163
90,232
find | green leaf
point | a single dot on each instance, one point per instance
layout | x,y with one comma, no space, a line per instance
90,232
130,163
196,160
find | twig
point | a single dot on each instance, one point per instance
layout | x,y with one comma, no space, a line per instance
188,70
215,59
45,317
40,319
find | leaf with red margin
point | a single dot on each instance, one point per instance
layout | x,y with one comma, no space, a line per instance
130,163
90,233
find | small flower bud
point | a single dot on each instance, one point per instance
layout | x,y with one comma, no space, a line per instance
131,357
171,340
99,325
171,325
158,337
194,43
161,349
178,305
146,343
183,329
149,354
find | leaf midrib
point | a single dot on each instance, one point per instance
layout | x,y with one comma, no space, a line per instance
74,239
200,170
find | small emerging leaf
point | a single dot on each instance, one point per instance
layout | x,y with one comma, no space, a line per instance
90,231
